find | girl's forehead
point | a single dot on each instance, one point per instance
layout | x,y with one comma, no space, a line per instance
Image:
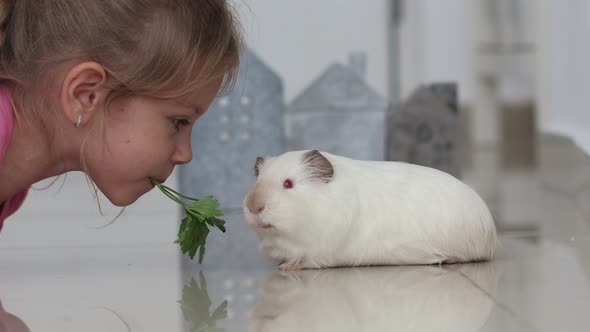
202,94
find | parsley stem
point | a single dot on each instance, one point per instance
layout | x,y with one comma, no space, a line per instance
181,195
162,186
166,192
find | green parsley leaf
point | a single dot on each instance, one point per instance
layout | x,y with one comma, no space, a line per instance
194,228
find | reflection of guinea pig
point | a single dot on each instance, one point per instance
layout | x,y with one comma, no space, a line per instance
313,209
389,298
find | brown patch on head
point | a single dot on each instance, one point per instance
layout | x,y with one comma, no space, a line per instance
257,165
320,167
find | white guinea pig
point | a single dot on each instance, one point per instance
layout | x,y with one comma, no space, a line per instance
313,209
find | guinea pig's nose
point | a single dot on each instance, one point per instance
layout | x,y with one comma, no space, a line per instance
256,209
255,202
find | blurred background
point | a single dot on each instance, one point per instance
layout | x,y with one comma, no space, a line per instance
514,69
492,91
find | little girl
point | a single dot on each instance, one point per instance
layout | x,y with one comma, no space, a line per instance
110,88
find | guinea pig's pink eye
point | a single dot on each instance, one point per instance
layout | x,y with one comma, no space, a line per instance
288,184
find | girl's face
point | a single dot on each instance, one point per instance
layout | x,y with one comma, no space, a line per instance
143,138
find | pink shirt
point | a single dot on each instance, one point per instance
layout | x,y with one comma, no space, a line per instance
10,206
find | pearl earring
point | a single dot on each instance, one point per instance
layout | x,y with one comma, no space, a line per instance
78,121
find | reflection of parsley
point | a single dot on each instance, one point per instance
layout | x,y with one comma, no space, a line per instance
195,305
194,228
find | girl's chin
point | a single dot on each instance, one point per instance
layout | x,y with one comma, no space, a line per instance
123,201
125,198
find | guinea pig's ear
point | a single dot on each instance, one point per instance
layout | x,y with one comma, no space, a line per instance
319,166
257,165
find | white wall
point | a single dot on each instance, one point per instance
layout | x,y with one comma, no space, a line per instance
446,39
564,67
434,45
300,39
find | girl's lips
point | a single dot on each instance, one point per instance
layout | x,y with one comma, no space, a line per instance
160,180
152,184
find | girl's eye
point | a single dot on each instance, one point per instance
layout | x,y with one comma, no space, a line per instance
179,123
288,184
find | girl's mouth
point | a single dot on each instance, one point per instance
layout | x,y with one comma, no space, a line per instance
152,184
159,180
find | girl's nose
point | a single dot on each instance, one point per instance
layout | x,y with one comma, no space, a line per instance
183,153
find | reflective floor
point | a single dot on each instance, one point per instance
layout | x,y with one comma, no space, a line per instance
540,280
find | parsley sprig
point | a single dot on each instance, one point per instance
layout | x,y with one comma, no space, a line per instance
200,214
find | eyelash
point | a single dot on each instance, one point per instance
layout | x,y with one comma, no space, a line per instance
179,123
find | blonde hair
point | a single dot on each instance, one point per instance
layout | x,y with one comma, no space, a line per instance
157,48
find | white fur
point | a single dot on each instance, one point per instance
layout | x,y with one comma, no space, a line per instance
370,213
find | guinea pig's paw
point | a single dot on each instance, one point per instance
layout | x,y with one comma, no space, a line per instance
289,266
450,263
450,260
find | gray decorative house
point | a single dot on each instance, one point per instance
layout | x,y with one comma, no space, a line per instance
238,127
339,113
425,129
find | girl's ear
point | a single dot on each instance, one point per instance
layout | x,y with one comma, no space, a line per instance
83,92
